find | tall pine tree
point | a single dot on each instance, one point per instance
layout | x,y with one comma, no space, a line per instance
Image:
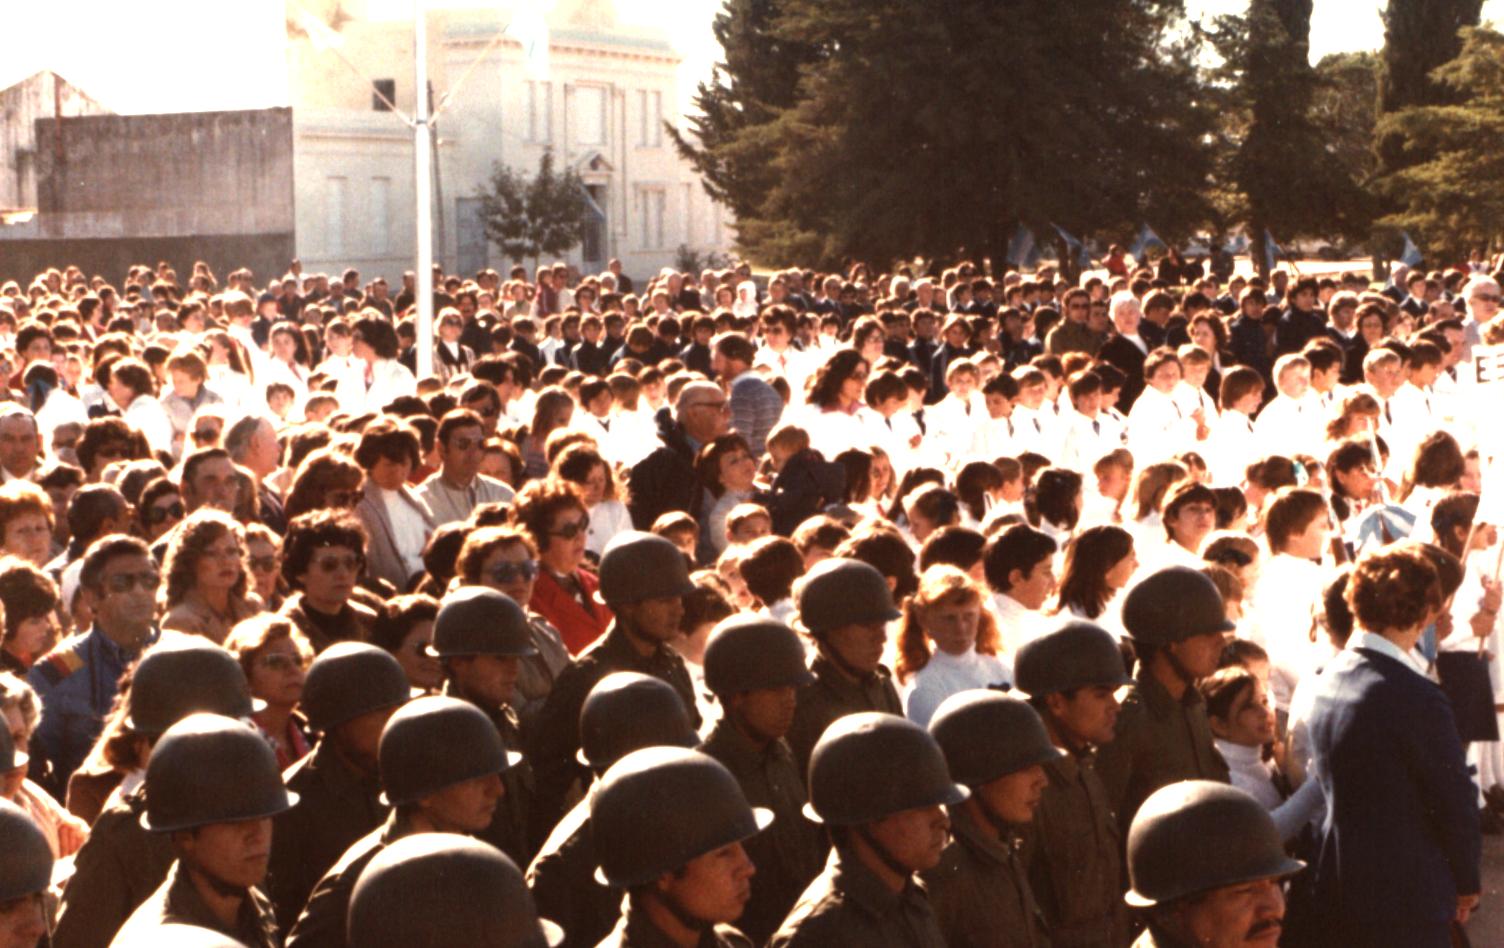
1419,36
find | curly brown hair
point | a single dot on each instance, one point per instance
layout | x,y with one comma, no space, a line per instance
537,503
193,538
481,543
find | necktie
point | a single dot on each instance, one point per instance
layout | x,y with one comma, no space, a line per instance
1037,428
967,406
1096,427
1388,414
919,420
1178,412
1009,420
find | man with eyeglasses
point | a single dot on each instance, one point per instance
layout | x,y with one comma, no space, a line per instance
77,681
1073,334
459,487
665,480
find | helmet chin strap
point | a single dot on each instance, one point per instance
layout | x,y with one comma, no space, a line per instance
883,855
835,658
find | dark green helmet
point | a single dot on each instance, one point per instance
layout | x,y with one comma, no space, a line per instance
870,765
444,889
642,824
748,651
349,679
27,866
181,675
627,711
209,768
986,734
1198,835
841,591
175,935
1076,655
1172,605
637,566
477,620
435,742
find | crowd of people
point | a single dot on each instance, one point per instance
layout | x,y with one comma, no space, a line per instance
961,608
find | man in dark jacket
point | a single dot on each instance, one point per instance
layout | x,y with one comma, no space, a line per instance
665,480
1301,322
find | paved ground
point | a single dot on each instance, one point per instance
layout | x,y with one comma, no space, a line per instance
1486,930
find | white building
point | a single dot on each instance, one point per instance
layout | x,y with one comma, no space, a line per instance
608,90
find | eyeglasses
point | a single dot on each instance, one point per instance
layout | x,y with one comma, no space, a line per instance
713,406
125,582
570,530
335,564
525,571
264,564
1488,297
161,514
280,661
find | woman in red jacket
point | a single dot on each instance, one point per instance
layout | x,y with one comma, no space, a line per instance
552,512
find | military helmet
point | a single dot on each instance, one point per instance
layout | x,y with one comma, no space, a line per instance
1198,835
181,675
658,808
1172,605
174,935
27,866
478,620
209,768
636,566
627,711
1076,655
870,765
435,742
986,734
444,889
841,591
349,679
747,652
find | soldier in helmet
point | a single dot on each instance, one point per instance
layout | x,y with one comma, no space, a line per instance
442,889
481,637
846,606
685,872
349,693
624,712
996,746
441,761
212,787
1071,676
1178,626
1206,863
880,784
754,666
25,873
121,863
644,579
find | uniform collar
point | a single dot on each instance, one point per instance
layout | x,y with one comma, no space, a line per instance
1157,699
964,826
851,877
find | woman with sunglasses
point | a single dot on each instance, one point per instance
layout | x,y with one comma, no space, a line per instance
505,559
450,356
275,656
583,466
323,557
265,559
207,590
159,509
405,629
552,513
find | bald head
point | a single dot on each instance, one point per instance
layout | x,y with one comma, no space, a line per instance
702,409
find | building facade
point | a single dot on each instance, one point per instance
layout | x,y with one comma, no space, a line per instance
599,108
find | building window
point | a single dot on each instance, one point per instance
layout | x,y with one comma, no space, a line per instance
383,91
654,202
336,192
540,111
649,119
589,115
381,215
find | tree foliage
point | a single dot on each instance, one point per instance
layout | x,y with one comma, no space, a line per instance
1419,36
528,217
1449,191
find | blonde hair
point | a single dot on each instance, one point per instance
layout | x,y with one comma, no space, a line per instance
940,584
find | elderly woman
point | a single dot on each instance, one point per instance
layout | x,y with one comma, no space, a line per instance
554,517
29,599
26,525
405,628
274,655
506,559
378,378
20,709
323,557
326,480
395,517
207,589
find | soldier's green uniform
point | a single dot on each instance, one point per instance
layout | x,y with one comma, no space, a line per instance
981,893
847,906
176,901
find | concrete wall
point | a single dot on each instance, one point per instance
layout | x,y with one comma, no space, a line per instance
42,95
265,254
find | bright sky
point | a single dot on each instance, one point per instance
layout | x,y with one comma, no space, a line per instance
187,55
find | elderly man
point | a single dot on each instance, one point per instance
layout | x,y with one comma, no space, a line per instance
1126,350
1482,295
665,480
252,443
755,405
20,444
459,487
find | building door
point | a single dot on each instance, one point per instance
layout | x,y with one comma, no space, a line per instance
473,248
593,251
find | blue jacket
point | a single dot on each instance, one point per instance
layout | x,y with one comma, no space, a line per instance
1401,837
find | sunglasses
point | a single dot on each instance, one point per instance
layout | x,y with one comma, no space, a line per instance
513,572
161,514
278,661
264,564
570,530
335,564
125,582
